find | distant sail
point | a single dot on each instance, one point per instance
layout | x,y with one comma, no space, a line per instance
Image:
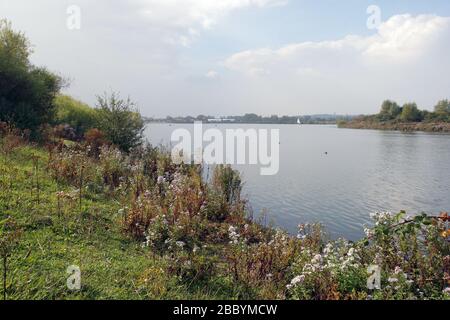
298,121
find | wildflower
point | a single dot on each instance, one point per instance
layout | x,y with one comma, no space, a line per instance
317,259
161,180
180,244
298,280
234,236
351,252
446,290
392,280
328,249
369,232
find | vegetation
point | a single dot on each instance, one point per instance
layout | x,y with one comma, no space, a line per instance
74,117
120,121
141,227
405,118
27,92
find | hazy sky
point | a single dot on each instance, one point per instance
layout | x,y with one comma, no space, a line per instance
225,57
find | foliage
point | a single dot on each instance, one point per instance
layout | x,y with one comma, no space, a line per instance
26,92
120,121
410,113
389,110
76,114
228,182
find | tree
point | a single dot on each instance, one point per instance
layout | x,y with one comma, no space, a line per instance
442,107
389,110
410,113
251,118
120,121
27,92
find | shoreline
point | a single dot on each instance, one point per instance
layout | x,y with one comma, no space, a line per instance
431,127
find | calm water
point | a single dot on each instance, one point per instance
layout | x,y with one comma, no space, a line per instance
364,171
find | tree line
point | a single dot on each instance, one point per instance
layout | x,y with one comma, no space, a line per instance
252,118
409,112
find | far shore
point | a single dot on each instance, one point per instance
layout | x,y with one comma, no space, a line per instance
437,127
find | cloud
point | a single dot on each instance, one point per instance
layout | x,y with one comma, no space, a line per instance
186,18
405,60
401,39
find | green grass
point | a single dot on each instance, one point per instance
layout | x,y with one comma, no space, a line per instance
112,266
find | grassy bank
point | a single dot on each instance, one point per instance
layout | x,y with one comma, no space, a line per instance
140,227
443,127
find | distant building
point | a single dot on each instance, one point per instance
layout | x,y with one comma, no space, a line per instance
221,120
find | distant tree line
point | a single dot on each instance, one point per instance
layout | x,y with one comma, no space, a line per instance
251,118
31,101
409,112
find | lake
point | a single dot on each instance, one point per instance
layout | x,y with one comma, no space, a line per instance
363,171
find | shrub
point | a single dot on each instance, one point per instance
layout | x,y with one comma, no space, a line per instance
120,121
10,138
95,140
228,182
75,114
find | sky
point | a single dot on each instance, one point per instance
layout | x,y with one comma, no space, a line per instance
231,57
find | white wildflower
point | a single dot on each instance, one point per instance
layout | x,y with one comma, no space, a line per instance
351,252
298,280
180,244
161,180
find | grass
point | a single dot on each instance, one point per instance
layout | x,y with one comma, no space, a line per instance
113,266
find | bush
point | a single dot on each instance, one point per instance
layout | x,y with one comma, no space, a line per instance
76,114
228,182
120,121
95,140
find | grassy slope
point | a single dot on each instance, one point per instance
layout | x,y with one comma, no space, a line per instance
112,266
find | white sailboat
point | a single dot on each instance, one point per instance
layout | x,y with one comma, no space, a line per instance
298,121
